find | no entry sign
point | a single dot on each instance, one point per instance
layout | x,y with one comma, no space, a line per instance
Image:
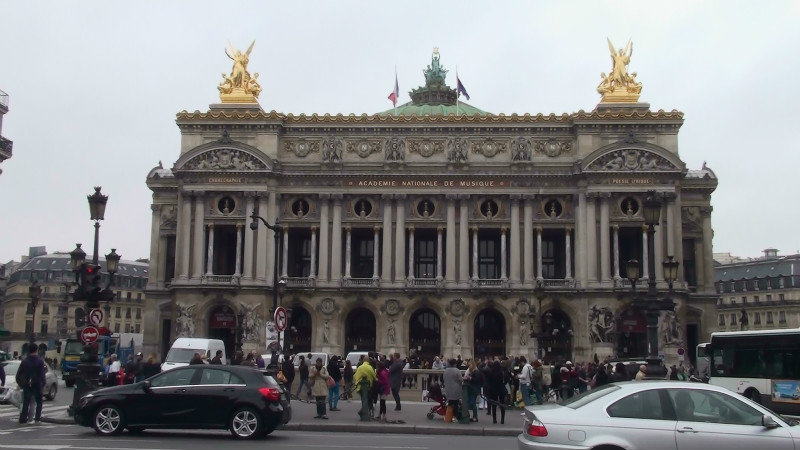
89,335
96,317
280,319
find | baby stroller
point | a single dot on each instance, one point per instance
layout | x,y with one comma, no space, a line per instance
435,395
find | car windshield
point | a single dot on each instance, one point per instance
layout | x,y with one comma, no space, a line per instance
73,348
181,355
11,369
589,396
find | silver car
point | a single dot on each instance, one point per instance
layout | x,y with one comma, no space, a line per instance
48,391
656,415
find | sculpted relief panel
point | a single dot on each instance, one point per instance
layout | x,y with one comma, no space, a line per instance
224,159
630,160
301,147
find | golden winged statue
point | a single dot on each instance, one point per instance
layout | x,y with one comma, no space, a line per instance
619,85
239,86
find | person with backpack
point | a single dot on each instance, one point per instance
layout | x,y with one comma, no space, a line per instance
30,378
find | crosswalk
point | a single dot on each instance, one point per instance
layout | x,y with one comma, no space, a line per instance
47,409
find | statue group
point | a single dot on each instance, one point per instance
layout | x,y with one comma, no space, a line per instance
239,82
619,85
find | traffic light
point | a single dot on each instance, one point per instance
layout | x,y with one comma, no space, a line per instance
90,282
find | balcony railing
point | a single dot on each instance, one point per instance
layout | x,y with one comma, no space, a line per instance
361,282
300,282
498,283
558,283
221,280
424,283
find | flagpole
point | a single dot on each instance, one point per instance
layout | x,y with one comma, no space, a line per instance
397,94
457,93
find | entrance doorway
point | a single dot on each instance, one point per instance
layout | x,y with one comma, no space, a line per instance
632,335
425,334
221,325
298,334
556,336
490,333
359,331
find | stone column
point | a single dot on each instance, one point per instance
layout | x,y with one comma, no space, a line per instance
249,237
516,245
400,240
450,270
439,253
238,271
348,246
324,245
184,236
210,257
670,226
410,253
156,258
336,240
580,240
474,253
261,256
591,239
659,245
503,254
539,254
645,259
463,240
312,271
678,233
285,255
615,229
272,214
528,270
162,263
605,247
376,252
707,257
568,251
386,272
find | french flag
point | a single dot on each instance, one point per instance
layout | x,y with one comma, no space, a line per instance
396,92
460,88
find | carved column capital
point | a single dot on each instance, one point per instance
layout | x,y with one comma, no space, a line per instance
155,208
377,228
313,229
400,196
410,229
439,229
515,198
451,196
530,196
387,196
705,211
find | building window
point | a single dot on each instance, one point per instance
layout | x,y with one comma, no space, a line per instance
127,313
117,312
689,266
300,208
28,327
138,329
489,254
425,242
139,297
782,317
755,298
128,296
138,313
363,253
127,328
721,320
733,319
43,328
29,309
554,254
299,258
769,317
757,318
744,300
762,284
732,300
116,327
781,297
769,297
169,259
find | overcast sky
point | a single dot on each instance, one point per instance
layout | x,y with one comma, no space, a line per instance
94,88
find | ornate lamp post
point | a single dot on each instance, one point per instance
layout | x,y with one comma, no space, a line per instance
650,303
35,292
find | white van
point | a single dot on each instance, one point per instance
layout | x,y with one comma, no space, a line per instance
355,357
183,350
310,361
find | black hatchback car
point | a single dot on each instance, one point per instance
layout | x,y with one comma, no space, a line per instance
243,400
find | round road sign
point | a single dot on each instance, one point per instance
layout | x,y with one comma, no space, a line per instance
96,317
89,335
280,319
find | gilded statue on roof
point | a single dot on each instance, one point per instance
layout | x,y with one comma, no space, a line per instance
239,86
619,85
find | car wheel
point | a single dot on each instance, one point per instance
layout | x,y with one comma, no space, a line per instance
69,383
246,424
51,393
430,416
753,395
108,420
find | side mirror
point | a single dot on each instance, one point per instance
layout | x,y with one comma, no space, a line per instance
769,422
146,386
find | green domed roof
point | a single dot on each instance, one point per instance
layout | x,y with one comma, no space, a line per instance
436,98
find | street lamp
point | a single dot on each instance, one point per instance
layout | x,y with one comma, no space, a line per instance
97,210
35,292
650,303
277,230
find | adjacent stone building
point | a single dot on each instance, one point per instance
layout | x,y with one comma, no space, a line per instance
6,145
757,294
435,227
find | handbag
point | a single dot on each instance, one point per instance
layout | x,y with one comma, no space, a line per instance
330,382
281,377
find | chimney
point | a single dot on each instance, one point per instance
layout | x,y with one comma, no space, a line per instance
771,253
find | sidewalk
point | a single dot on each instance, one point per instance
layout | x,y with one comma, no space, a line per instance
411,420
